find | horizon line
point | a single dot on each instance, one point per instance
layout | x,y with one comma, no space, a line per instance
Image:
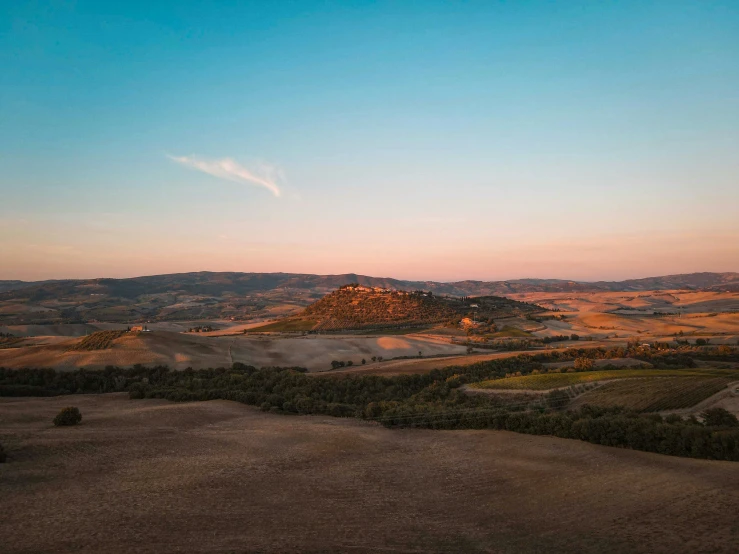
376,277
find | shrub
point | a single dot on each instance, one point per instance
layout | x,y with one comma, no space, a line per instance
584,364
725,350
68,416
719,417
2,455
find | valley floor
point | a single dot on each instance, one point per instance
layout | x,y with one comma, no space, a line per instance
154,476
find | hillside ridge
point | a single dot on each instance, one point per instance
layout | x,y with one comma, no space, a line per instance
246,296
240,282
356,306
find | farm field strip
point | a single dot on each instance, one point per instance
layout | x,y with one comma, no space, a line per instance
99,340
547,381
653,394
288,325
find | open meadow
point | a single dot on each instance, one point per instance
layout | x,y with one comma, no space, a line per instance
154,476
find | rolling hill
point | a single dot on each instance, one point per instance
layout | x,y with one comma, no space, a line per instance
355,306
245,296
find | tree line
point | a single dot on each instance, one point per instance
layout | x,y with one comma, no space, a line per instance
432,400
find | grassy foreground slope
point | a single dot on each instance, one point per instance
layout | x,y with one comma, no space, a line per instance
233,479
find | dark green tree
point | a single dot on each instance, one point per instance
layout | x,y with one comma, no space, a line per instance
719,417
68,416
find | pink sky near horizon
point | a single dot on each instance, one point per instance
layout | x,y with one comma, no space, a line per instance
614,257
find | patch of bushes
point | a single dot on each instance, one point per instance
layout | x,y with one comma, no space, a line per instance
557,399
432,400
68,416
584,364
719,417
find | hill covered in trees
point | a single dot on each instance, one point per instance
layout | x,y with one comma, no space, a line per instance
356,306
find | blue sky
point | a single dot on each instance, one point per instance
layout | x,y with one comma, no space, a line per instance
438,140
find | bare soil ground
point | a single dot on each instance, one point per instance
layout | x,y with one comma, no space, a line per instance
152,476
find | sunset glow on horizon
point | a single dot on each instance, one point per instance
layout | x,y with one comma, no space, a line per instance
425,141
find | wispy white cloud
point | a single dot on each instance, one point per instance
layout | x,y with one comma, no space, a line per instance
263,175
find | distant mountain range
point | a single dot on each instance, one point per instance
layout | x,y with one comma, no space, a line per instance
244,296
206,282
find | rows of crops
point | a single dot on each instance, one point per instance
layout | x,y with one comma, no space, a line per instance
547,381
99,340
656,394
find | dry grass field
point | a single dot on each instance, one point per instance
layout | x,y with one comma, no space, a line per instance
152,476
645,313
610,318
182,350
